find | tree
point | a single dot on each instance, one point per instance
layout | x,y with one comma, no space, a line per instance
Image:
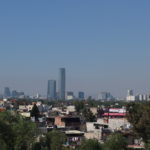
16,132
9,117
100,112
25,132
147,146
55,140
37,146
6,133
79,105
90,144
35,112
3,145
138,116
88,115
115,142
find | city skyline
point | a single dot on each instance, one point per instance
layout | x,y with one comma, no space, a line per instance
55,86
104,45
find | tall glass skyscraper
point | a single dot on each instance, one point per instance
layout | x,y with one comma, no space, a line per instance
62,83
7,92
51,90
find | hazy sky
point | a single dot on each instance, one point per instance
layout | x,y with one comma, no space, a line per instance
103,44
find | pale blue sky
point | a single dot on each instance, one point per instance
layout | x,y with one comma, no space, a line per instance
103,44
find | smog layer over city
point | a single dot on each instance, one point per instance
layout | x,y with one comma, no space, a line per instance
74,75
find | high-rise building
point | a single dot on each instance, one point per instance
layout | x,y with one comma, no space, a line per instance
130,93
81,95
62,83
105,96
7,92
130,96
51,90
14,94
142,97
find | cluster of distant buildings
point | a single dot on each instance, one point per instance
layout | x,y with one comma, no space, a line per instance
61,94
52,92
105,96
12,94
138,97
